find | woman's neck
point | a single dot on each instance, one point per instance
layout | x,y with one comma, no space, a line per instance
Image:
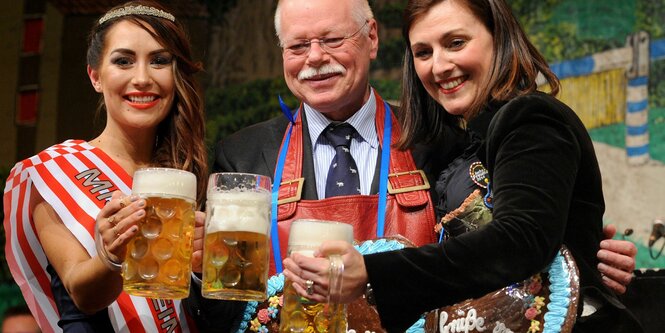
130,151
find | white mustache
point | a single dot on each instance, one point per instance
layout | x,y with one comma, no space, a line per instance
325,69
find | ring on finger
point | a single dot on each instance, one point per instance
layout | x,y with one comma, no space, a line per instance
122,203
111,220
310,287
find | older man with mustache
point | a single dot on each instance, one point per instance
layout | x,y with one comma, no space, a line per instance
327,47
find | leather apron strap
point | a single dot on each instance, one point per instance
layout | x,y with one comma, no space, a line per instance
407,187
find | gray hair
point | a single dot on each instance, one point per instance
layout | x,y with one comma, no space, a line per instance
360,12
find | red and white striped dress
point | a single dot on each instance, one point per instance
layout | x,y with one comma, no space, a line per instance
76,179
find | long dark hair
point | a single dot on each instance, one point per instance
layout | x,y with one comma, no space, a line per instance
181,135
516,64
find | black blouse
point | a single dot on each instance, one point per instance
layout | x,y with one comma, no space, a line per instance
454,183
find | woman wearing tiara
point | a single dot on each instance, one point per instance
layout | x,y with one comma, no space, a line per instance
67,216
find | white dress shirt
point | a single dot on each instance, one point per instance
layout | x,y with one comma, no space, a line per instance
364,144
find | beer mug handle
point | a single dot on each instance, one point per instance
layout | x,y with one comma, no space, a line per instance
333,310
336,270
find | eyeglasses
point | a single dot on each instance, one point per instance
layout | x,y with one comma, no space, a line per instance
328,44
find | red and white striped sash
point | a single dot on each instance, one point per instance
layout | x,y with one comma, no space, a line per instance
76,179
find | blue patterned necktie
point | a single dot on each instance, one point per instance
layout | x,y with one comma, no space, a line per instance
343,178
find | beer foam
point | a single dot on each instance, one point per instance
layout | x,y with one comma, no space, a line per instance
239,211
305,236
165,181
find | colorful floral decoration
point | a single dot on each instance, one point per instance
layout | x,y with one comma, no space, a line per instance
533,287
263,316
535,326
257,321
274,301
531,313
560,291
255,325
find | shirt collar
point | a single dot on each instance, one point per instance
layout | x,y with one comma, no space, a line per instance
363,121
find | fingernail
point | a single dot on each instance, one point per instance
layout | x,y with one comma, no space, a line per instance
604,244
133,198
140,213
142,203
602,254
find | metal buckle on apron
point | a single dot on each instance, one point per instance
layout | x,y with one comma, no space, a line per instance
424,184
298,193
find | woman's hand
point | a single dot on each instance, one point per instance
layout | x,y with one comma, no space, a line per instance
117,224
299,269
197,252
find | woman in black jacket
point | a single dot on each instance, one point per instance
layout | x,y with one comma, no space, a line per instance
469,66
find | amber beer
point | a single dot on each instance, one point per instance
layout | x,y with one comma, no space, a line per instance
158,259
298,313
236,247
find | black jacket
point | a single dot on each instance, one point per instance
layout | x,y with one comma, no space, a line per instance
547,191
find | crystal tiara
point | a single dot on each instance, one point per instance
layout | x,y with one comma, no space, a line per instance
136,10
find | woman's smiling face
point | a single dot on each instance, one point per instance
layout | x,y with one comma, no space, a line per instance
135,76
452,54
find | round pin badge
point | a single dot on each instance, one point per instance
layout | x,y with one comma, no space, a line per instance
479,174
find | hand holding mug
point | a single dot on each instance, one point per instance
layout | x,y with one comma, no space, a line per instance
300,268
116,226
319,305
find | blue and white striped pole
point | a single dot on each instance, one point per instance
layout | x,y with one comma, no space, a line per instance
637,95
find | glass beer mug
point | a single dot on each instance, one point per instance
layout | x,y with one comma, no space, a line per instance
158,260
298,313
236,245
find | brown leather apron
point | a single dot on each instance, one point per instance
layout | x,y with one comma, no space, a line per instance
409,210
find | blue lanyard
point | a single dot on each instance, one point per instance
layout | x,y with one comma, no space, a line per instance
279,169
274,231
383,180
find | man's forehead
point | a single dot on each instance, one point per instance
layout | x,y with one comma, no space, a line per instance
314,18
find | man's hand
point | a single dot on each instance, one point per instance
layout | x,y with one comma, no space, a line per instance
299,269
617,261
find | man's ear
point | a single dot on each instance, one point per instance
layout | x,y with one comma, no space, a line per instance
374,38
94,79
